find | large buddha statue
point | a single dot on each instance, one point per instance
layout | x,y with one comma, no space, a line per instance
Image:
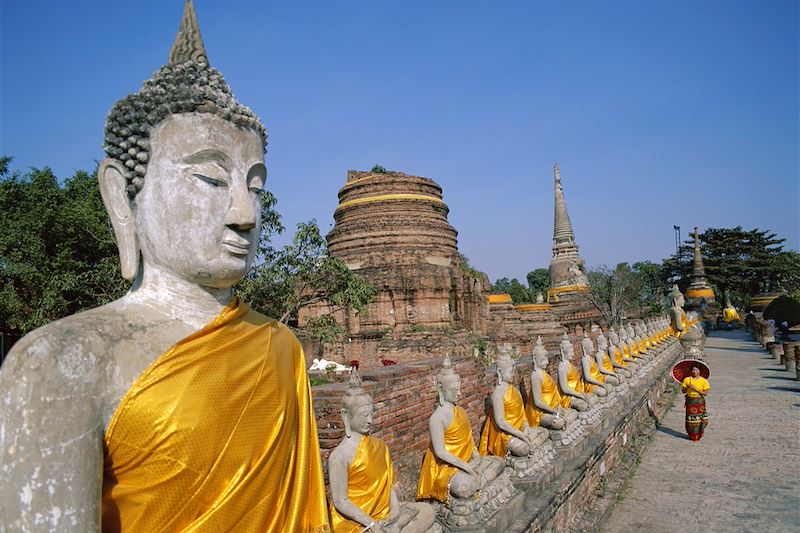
176,407
452,464
686,327
362,476
570,381
506,429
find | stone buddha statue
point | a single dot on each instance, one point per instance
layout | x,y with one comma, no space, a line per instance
176,407
452,464
594,381
603,361
634,333
621,349
686,328
570,381
506,429
362,476
544,407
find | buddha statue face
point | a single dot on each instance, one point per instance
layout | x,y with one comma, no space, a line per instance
357,415
198,214
505,370
449,389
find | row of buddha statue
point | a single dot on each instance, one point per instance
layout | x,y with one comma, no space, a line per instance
462,482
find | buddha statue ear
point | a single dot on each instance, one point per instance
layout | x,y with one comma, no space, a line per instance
346,420
113,189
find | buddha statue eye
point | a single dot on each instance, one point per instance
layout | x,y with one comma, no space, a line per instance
214,182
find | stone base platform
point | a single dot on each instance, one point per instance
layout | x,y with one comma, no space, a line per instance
493,510
533,466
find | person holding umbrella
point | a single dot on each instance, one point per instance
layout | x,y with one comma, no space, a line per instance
695,387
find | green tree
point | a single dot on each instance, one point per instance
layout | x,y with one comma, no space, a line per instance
57,250
616,293
538,282
301,273
518,291
738,262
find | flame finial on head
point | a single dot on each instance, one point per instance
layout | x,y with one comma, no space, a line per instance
188,44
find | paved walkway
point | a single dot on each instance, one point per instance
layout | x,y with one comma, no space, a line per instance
745,473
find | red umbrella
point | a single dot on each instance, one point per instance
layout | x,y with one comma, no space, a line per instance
683,369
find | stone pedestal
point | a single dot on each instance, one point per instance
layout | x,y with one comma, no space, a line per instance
493,509
534,465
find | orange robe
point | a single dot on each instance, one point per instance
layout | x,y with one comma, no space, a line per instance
595,374
494,441
574,382
607,364
218,434
618,358
434,477
550,396
370,478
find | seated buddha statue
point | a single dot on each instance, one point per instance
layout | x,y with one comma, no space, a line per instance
544,407
614,353
570,382
638,341
176,407
452,464
621,337
362,477
594,381
605,363
506,429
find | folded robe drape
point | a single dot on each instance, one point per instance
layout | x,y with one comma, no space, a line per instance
494,441
218,434
370,478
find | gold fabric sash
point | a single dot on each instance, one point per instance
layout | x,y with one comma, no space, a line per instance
574,382
618,358
370,478
550,396
494,441
607,364
218,434
434,477
595,374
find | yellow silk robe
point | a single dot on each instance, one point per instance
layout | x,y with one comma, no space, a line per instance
494,441
434,477
595,374
574,382
218,434
607,364
618,357
642,347
370,478
550,396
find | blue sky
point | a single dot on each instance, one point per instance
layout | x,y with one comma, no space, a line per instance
659,113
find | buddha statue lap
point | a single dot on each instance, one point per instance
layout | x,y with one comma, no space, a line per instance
506,432
453,471
103,411
361,477
544,407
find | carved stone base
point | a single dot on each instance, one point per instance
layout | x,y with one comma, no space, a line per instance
435,528
592,419
567,436
479,513
534,464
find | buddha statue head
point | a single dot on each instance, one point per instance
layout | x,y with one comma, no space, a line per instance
613,336
587,346
565,347
505,366
540,357
631,331
448,384
602,342
676,297
357,407
184,171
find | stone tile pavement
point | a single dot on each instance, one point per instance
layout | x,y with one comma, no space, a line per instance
744,475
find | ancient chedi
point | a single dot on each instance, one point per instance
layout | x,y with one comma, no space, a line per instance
700,294
568,282
392,230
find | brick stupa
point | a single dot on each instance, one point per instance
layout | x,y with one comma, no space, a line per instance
569,285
